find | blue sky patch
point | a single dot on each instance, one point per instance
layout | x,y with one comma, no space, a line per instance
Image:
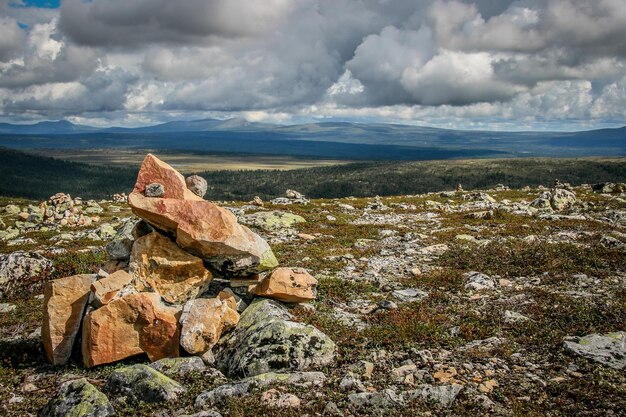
48,4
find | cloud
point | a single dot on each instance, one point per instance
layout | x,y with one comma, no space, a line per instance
443,61
129,23
11,38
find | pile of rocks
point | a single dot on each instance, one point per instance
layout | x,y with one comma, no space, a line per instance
119,198
60,209
558,199
291,197
182,277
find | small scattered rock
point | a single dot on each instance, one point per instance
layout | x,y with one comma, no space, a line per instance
197,185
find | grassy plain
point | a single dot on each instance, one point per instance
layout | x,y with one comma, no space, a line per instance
185,162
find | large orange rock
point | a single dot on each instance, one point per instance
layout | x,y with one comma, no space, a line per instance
157,264
289,285
128,326
65,300
202,228
203,321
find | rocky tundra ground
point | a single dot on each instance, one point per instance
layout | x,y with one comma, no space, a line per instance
491,302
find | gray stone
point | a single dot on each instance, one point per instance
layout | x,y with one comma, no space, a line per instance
12,209
154,190
7,308
142,383
439,395
18,268
562,199
78,398
410,294
197,185
173,367
266,339
512,317
121,246
208,413
541,203
242,387
477,281
608,349
387,398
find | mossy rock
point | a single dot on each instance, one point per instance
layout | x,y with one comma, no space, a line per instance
272,220
142,383
78,398
266,339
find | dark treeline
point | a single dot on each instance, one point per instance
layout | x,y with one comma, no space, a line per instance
38,177
397,178
24,175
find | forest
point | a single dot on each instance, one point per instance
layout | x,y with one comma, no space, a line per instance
38,177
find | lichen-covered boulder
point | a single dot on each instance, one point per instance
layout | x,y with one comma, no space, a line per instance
608,349
18,268
562,199
78,398
158,264
142,383
266,339
272,220
244,386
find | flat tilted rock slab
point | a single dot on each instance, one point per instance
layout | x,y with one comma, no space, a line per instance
202,228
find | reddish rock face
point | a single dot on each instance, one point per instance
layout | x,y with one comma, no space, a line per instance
64,305
202,228
129,326
289,285
153,170
156,263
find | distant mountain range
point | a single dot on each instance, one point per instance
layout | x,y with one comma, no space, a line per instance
331,139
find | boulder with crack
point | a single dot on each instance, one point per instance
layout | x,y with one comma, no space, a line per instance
131,325
65,300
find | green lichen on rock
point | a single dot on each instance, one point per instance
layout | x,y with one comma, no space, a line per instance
266,339
142,383
268,261
78,398
270,221
173,367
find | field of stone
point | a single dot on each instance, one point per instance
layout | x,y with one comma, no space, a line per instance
507,302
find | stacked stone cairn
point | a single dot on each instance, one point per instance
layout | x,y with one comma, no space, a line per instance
178,285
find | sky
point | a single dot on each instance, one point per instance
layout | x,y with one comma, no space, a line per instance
471,64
